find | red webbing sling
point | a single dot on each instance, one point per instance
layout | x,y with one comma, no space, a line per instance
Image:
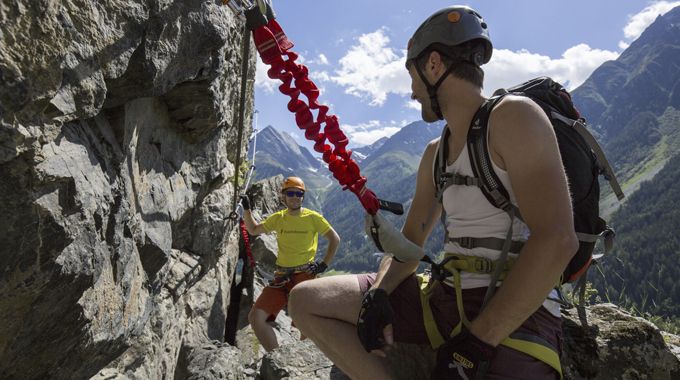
273,46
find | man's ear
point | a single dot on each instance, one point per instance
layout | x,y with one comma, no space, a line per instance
434,62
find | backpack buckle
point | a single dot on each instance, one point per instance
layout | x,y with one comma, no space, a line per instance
466,242
471,181
444,178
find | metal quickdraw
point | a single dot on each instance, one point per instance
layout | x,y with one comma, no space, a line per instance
272,45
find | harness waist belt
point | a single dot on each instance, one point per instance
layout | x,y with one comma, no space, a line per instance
291,270
473,264
487,242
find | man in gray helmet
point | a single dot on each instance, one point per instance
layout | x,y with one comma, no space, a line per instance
483,339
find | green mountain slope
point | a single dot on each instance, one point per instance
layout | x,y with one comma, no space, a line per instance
628,103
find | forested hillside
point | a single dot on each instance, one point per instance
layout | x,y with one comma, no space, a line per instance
643,271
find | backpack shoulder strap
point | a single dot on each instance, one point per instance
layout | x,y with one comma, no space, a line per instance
442,178
480,160
439,164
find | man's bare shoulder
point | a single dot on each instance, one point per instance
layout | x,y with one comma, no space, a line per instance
514,108
518,117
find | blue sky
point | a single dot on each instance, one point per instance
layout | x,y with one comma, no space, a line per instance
355,52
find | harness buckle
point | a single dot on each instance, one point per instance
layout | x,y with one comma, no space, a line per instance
438,271
483,265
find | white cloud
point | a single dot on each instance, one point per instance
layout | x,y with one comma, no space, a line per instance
508,68
322,60
262,80
369,132
319,76
371,69
639,22
412,104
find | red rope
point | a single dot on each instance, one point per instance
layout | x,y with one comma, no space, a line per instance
246,242
273,44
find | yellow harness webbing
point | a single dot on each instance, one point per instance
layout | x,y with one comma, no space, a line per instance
528,344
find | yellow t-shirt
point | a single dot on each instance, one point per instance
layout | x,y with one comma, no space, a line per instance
296,235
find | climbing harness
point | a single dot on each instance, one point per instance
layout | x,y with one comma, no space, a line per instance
283,275
273,46
451,266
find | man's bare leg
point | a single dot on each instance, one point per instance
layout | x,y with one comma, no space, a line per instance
263,331
326,311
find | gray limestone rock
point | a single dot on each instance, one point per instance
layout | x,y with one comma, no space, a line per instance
299,361
118,127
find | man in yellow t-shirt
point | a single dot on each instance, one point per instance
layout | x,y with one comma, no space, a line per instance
297,230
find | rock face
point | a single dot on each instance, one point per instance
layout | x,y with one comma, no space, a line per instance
119,125
616,345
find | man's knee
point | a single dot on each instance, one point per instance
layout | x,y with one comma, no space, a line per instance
256,316
298,298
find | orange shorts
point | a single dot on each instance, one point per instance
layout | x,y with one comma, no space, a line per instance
273,300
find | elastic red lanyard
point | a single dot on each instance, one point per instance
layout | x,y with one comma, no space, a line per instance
272,45
246,242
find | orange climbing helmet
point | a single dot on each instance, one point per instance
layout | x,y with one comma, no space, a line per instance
295,182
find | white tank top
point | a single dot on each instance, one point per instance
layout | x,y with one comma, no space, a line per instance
470,214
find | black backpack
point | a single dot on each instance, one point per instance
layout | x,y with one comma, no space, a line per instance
583,161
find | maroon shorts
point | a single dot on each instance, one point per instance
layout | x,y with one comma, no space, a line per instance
507,363
273,300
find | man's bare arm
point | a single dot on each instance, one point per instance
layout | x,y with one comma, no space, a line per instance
523,142
420,220
253,227
333,244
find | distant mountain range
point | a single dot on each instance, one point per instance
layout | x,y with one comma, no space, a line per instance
277,152
359,154
633,106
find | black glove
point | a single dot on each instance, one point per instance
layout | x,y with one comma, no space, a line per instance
317,267
464,357
375,314
245,202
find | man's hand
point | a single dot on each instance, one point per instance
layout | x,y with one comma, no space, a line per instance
245,201
464,357
375,319
390,240
317,267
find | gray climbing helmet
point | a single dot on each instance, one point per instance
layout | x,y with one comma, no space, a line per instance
452,26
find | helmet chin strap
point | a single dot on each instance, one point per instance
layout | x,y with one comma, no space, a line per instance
432,89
